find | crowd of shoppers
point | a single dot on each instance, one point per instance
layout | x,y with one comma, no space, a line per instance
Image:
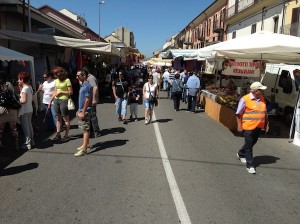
57,90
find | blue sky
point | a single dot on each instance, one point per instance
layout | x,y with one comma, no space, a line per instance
151,21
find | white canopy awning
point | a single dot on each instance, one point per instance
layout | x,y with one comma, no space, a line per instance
88,45
11,55
271,47
160,62
188,54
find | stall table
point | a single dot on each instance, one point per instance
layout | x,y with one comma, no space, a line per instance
219,112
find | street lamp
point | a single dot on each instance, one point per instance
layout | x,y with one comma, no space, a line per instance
100,2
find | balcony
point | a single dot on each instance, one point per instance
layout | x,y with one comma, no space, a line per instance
218,27
201,38
242,5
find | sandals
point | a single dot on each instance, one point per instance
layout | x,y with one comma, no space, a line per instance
57,137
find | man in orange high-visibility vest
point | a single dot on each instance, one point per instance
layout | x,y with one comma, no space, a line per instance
251,117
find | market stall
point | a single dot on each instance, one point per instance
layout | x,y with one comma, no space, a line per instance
260,48
11,55
7,55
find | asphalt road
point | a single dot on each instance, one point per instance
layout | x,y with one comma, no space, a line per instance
182,168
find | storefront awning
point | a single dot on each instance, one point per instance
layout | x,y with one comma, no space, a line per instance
92,46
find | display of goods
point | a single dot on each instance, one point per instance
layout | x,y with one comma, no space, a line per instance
229,101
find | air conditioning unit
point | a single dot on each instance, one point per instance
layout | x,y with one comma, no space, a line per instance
48,31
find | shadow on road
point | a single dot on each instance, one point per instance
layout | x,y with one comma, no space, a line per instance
259,160
162,120
106,145
117,130
18,169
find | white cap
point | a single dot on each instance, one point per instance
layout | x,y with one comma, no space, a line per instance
257,85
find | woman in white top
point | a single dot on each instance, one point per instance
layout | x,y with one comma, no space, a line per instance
26,110
48,88
149,88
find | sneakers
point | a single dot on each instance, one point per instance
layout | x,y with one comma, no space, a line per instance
147,120
26,147
136,119
81,148
251,170
65,139
242,159
124,122
81,152
119,118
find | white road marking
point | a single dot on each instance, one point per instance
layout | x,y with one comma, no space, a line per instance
179,203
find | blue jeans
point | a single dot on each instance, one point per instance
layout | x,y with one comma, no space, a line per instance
184,95
121,106
166,85
246,151
50,119
192,103
176,96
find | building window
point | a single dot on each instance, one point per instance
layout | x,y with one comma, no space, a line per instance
276,19
253,28
233,34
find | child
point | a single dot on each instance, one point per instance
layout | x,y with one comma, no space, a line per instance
134,97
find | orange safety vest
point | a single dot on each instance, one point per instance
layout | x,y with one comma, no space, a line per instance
255,113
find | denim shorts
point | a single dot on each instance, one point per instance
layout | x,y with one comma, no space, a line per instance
121,106
148,105
84,124
61,107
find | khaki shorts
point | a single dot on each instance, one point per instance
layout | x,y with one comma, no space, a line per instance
84,124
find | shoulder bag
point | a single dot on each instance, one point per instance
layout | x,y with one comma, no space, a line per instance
125,95
152,99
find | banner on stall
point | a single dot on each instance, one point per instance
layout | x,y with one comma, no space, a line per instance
209,65
243,67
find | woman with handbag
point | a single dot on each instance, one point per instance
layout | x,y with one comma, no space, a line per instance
26,111
62,92
8,115
150,95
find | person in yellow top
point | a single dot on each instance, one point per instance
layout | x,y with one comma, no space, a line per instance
251,117
63,91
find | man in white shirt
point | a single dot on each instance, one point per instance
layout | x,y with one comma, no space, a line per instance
166,80
156,77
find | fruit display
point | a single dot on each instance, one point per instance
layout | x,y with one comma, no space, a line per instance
229,101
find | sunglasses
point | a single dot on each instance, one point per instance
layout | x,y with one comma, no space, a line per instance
150,78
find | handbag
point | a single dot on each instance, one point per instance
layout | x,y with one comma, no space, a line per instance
152,99
71,105
9,100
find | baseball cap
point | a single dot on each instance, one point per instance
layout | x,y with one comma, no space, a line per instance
257,85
